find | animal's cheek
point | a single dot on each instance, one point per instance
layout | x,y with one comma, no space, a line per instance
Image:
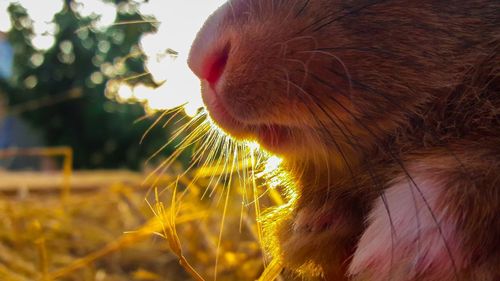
409,237
263,104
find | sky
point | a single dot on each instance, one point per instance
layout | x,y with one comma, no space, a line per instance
180,21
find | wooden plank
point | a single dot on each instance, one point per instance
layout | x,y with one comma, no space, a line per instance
80,180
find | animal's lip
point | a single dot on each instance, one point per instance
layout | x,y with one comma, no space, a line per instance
269,135
220,114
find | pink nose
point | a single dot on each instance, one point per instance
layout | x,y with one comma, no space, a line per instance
210,50
215,66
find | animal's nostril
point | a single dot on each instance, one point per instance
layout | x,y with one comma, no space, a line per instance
216,65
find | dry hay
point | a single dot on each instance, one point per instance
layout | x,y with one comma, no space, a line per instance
122,232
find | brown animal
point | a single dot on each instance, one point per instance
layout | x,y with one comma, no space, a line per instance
387,115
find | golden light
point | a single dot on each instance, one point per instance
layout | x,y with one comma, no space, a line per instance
253,146
272,164
125,92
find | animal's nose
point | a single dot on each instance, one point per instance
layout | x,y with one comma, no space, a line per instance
210,50
215,65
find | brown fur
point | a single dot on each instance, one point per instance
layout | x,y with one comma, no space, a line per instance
357,91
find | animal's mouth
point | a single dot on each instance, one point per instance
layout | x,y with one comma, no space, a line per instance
273,137
211,66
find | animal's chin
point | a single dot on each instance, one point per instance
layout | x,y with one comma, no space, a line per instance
275,138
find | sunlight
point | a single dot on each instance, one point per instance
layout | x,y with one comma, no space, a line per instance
272,164
125,92
105,13
142,92
166,50
180,21
5,24
42,14
42,11
253,146
43,42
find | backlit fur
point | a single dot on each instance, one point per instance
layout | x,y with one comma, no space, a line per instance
387,115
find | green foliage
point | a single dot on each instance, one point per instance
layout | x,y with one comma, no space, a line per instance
68,82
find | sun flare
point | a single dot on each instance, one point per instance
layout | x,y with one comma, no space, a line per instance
167,53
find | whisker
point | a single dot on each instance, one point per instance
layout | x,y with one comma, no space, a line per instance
333,139
182,129
302,9
336,16
152,125
91,26
406,172
337,58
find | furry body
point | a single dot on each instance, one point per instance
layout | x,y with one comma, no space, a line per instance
387,116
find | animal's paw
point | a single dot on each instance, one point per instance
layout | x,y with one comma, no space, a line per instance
409,237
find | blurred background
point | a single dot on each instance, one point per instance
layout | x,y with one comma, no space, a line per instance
95,98
91,74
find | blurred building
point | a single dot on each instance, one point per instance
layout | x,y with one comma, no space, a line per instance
16,134
6,57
